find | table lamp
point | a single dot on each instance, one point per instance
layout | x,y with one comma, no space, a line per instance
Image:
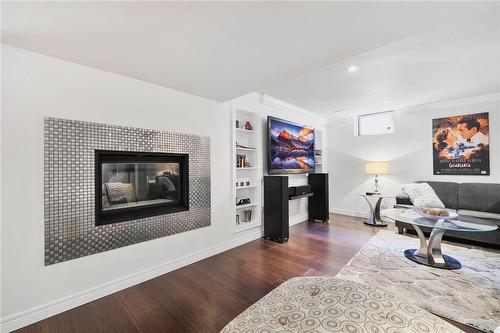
377,168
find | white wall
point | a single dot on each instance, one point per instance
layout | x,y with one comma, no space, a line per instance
36,86
409,151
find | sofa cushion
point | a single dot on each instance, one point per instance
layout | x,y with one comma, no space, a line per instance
446,191
422,195
480,215
481,197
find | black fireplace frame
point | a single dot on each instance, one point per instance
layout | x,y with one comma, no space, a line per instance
134,213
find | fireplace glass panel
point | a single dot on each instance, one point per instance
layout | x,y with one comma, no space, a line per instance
133,185
126,185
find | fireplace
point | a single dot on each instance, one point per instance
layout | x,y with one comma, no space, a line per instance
134,185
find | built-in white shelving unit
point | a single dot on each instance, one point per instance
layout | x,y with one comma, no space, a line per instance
318,149
247,169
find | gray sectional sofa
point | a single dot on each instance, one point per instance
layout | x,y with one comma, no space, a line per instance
476,200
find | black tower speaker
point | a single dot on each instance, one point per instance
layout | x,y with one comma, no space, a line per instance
319,203
276,208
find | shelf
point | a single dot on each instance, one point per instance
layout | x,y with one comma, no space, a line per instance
245,206
246,149
241,130
246,168
300,196
244,187
246,225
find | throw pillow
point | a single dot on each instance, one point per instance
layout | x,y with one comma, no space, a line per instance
116,193
422,195
129,190
166,182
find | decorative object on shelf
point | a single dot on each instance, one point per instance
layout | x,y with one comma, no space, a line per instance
237,219
248,126
377,168
461,145
248,215
242,182
244,201
244,147
242,161
237,124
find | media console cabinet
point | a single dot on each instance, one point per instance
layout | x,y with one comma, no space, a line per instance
276,203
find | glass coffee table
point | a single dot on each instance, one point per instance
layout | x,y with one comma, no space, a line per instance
429,253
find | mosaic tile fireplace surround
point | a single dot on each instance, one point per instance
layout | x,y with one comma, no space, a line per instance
70,196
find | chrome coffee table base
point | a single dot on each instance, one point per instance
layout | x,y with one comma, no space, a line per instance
430,253
449,262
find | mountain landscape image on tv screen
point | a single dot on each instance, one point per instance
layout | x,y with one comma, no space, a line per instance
291,147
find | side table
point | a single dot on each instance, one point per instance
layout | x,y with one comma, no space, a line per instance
375,220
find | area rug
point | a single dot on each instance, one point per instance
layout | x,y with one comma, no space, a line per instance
326,304
469,295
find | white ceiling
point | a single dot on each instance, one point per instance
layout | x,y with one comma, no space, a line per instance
452,61
221,50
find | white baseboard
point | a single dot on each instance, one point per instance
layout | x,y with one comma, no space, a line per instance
348,212
33,315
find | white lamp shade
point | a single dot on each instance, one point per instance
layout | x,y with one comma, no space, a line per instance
377,168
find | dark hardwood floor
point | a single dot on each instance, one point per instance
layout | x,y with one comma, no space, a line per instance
205,296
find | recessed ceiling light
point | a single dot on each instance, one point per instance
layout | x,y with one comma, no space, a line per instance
352,68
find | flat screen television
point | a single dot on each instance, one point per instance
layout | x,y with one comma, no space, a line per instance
290,147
